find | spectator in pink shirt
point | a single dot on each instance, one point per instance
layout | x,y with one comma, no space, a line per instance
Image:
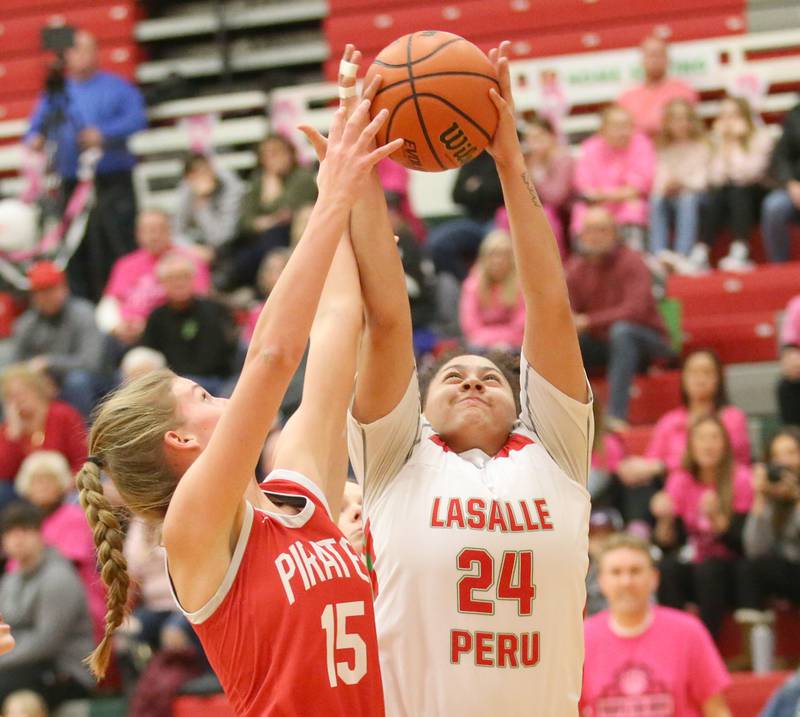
492,310
709,500
740,156
642,659
702,393
45,479
646,102
615,169
268,272
133,290
789,384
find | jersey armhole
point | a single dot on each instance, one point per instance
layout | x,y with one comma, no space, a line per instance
200,616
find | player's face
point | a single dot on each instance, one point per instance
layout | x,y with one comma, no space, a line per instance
198,409
627,579
707,444
350,517
470,403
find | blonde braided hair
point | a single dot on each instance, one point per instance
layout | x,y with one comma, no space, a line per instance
108,539
127,440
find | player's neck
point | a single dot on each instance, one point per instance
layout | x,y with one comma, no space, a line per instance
631,624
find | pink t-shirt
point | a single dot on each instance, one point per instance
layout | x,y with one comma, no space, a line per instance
668,442
493,325
611,455
790,328
686,493
669,670
133,282
646,103
602,167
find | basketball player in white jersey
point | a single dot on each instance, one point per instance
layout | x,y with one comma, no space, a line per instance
476,513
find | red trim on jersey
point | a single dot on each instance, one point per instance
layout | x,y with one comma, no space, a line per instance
515,442
369,557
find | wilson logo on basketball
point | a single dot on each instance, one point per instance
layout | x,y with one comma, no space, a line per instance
410,151
457,144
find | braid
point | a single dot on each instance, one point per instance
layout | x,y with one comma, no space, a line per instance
108,539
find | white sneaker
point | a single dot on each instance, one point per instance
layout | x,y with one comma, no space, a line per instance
696,262
737,259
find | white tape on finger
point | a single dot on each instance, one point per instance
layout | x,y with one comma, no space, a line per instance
346,93
348,69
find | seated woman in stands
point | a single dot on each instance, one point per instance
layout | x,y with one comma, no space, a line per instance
707,501
34,421
280,194
740,156
702,393
680,183
615,168
208,209
492,308
45,480
772,531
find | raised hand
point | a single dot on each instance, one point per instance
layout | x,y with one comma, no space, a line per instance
348,99
505,146
6,638
350,153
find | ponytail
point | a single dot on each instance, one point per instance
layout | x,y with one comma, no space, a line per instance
108,539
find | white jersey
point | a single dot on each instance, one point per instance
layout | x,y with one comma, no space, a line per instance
479,562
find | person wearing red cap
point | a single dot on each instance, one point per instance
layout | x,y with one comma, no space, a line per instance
58,335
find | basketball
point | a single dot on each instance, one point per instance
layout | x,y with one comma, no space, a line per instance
436,88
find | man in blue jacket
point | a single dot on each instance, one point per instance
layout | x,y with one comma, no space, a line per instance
100,110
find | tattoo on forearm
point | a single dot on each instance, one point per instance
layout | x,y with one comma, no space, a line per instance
531,190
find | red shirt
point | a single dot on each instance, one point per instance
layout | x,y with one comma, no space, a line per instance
291,630
64,431
614,287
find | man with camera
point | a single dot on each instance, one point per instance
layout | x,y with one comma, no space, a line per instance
772,542
85,108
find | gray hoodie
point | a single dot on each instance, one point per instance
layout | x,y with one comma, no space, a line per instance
46,608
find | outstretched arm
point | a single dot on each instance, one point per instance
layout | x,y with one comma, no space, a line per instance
386,359
208,498
551,342
313,442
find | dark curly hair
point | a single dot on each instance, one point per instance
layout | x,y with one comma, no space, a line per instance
506,362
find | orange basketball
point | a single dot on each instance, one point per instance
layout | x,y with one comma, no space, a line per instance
436,88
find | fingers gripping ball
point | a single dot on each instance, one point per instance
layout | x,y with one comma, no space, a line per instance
436,88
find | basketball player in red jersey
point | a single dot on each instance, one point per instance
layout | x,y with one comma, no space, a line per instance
280,600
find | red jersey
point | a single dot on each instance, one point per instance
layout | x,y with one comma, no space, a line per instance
291,630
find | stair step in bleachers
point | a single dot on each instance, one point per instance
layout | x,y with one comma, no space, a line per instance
541,29
109,23
237,16
748,692
737,338
768,288
636,439
286,52
475,19
652,395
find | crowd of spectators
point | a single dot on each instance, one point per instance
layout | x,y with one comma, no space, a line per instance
151,289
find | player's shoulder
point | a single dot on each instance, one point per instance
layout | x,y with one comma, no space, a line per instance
291,483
